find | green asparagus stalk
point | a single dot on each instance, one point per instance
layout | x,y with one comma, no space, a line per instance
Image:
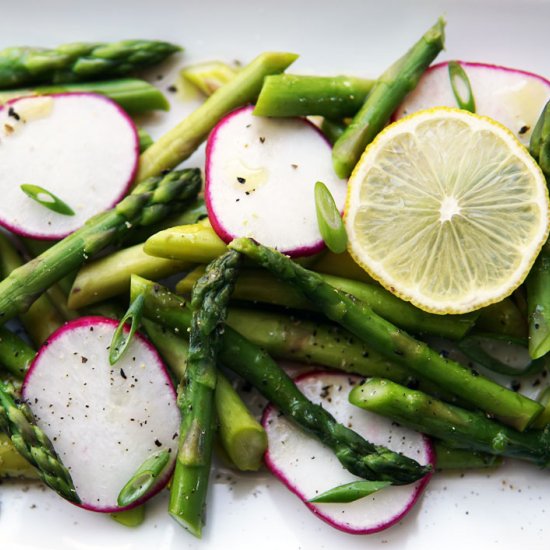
341,265
196,393
58,292
456,427
208,76
150,201
504,318
332,129
133,95
320,343
180,142
15,354
538,281
241,435
387,93
190,243
384,337
193,213
543,419
256,366
12,464
448,458
110,275
130,518
145,140
335,97
33,444
313,342
255,285
42,318
79,61
539,145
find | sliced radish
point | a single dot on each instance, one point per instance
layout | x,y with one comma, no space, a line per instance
260,180
82,148
512,97
105,421
308,468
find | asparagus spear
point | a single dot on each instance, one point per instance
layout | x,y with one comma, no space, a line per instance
256,366
538,281
79,61
33,444
196,393
334,97
12,464
448,458
110,275
198,242
359,319
133,95
332,129
193,243
151,200
241,435
178,144
130,518
539,145
255,285
192,214
284,95
457,427
208,76
15,354
504,318
387,93
145,140
42,318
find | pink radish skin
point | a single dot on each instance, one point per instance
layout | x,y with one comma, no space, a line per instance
322,471
260,178
104,421
91,172
513,97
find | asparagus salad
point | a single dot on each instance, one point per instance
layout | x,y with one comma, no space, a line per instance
407,277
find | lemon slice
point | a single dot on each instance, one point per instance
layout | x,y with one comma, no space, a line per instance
447,210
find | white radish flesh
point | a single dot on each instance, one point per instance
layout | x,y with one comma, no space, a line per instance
512,97
80,147
308,468
260,180
103,420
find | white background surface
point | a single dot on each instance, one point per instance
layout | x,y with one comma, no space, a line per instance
507,509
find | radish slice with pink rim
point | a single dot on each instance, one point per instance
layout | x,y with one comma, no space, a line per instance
512,97
104,421
308,468
260,180
80,147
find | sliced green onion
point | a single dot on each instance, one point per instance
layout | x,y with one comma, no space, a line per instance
130,518
329,220
351,492
473,347
460,83
145,140
47,198
121,340
144,479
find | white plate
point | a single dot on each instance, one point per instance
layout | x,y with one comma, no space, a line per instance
507,509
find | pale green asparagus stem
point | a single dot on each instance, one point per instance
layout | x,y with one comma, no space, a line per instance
178,144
